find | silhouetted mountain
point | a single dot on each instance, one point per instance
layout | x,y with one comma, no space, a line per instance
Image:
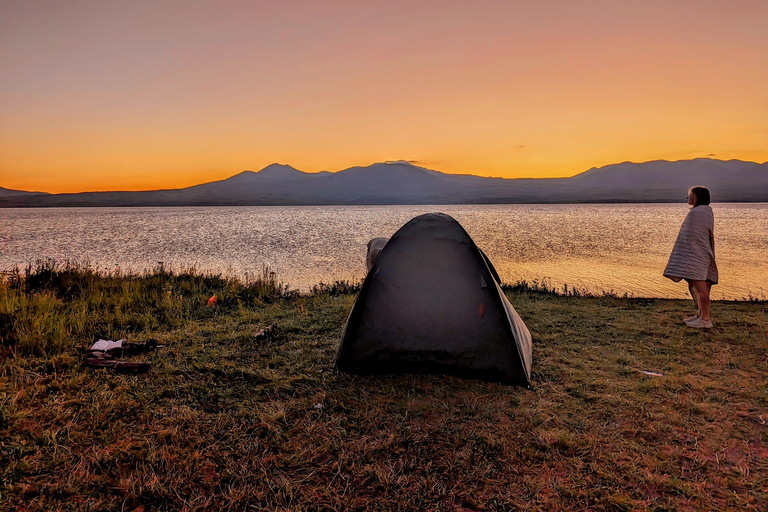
733,179
404,183
273,173
7,192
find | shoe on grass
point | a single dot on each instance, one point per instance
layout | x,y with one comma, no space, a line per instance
700,324
691,319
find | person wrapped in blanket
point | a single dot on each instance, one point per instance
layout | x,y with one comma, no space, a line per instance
693,256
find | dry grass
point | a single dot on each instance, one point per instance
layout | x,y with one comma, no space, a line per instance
226,422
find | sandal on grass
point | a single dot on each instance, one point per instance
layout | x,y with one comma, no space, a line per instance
118,366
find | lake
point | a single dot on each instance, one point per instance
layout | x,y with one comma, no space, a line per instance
621,248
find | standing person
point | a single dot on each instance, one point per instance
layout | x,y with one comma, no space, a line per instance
693,257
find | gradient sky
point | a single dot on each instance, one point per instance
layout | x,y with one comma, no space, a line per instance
131,95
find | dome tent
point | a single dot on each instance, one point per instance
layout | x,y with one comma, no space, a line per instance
432,303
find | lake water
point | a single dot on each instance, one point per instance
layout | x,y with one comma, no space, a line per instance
620,248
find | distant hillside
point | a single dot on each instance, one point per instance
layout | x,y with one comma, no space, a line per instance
404,183
7,192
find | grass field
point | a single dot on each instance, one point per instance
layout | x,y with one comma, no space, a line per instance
228,421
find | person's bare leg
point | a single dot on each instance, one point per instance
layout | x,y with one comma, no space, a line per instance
702,288
695,297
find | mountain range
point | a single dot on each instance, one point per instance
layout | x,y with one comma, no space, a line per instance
404,183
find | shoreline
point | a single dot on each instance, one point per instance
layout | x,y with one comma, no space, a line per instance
225,205
539,285
601,248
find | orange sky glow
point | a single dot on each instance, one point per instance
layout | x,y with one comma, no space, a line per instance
141,95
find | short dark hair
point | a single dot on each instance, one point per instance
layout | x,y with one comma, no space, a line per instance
701,194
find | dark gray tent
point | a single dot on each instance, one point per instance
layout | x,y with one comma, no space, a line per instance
432,303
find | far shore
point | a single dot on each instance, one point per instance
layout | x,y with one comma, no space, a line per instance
28,204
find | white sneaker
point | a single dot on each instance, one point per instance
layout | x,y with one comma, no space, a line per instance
691,319
700,324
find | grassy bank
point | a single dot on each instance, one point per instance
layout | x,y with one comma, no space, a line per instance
226,420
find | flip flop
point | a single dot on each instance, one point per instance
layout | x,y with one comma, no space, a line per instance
118,366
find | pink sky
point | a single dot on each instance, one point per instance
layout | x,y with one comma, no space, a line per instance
98,95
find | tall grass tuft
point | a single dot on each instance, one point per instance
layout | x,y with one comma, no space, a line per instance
545,287
52,307
337,288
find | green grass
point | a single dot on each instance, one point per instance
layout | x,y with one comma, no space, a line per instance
226,421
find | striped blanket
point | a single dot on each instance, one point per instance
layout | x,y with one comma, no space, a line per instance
693,256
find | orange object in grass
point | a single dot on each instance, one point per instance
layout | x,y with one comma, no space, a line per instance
212,301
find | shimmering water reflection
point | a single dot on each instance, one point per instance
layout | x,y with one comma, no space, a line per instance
619,248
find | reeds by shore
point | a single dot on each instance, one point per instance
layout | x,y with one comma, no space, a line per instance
47,306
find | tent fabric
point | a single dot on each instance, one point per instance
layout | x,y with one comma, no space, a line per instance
432,302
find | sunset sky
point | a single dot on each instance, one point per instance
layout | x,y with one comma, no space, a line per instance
131,95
